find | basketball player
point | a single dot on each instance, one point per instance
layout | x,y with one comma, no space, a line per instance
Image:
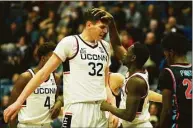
88,56
35,111
175,82
135,103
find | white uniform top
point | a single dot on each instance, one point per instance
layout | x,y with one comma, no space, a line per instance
37,106
85,80
143,114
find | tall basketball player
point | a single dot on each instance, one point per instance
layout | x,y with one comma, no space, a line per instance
35,111
88,57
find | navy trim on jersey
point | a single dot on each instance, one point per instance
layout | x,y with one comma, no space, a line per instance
88,44
66,66
76,50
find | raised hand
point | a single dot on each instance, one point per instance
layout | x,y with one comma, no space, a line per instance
103,14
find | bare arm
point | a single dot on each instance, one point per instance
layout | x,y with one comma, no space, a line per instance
115,82
17,89
55,110
119,50
154,96
165,119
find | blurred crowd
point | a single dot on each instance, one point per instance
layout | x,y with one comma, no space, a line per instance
25,25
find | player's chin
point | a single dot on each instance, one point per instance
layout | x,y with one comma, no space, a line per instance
100,37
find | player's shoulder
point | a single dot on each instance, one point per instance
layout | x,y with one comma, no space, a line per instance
25,76
69,39
105,43
137,80
118,76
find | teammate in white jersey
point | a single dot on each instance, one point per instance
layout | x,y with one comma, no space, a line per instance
89,60
134,103
38,107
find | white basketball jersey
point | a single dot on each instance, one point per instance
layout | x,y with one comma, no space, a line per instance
37,106
143,111
85,80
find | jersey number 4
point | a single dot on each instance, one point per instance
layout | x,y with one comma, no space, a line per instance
188,92
98,66
47,102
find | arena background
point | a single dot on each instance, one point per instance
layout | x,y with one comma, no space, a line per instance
24,26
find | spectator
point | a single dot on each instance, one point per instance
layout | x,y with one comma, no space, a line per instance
133,16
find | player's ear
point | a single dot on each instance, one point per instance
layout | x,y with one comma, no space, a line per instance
171,52
88,24
42,58
133,58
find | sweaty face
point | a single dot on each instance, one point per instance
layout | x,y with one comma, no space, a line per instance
98,30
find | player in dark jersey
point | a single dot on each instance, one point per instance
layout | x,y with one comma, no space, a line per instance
175,82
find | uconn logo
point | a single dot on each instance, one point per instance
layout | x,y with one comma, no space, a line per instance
45,91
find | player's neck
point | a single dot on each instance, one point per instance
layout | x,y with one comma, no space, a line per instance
134,69
180,59
85,36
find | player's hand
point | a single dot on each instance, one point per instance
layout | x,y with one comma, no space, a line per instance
105,105
11,112
103,14
113,121
55,110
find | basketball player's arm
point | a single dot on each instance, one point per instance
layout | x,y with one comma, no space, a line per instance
113,120
136,89
154,96
119,50
165,85
40,77
115,82
18,87
165,120
55,110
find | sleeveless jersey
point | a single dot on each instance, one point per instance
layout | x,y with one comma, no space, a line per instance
37,106
84,73
182,95
142,114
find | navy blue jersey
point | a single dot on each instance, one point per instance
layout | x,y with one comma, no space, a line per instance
178,79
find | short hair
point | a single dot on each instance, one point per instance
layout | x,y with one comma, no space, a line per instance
88,16
142,54
45,49
176,42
